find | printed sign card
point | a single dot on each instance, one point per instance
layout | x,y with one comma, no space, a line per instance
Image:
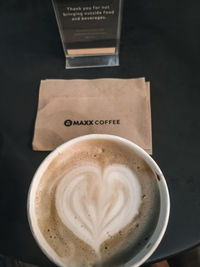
89,28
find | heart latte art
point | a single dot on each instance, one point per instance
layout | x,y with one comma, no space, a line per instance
96,203
93,202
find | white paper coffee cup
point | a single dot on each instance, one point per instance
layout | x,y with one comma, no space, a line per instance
147,250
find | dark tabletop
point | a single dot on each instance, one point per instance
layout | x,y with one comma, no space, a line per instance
161,41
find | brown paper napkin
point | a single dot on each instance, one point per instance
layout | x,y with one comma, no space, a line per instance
71,108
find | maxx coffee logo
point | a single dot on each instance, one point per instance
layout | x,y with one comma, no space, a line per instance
69,122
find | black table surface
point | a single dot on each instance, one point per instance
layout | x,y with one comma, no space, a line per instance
161,41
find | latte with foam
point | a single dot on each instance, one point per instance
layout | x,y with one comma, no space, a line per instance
96,204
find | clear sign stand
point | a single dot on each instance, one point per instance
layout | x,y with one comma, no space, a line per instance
90,31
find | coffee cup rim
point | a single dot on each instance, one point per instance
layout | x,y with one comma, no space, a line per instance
160,228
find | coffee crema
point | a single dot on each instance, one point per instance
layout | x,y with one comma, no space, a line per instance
97,204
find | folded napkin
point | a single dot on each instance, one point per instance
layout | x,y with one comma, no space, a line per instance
71,108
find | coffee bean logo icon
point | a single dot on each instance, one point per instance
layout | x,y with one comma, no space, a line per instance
68,123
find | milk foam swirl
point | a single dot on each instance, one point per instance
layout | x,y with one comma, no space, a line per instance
96,204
